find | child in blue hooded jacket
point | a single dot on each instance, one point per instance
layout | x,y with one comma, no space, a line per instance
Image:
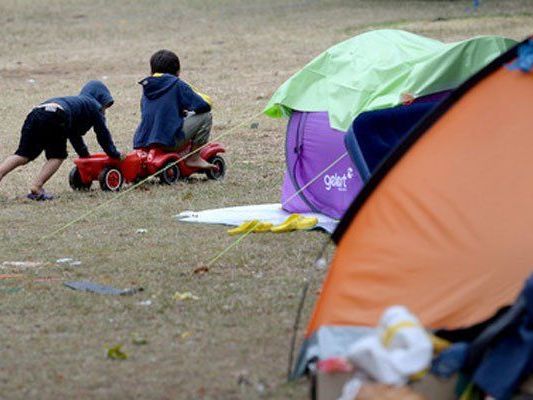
48,126
172,113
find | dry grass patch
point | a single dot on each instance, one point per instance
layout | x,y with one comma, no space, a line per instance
232,342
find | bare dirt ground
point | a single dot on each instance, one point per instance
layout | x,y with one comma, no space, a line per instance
231,343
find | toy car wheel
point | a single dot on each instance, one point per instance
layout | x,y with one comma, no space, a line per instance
218,173
110,179
74,179
170,175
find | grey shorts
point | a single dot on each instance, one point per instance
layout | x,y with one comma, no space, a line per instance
196,128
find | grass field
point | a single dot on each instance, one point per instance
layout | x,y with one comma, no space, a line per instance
231,343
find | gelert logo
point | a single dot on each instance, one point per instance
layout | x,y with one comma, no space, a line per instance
339,182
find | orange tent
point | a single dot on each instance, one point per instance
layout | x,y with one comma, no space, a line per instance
445,226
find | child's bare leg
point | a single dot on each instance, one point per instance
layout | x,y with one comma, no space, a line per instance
10,163
195,161
49,168
197,128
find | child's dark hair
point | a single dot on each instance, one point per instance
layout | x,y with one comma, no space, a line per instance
165,62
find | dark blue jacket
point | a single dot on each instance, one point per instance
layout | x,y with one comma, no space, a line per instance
165,100
84,112
374,134
501,356
508,356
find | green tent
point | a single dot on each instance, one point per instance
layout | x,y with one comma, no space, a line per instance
373,70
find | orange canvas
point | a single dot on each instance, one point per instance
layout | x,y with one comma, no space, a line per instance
448,232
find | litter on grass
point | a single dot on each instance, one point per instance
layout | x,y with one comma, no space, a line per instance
23,264
86,286
68,261
185,296
201,270
185,335
116,353
138,340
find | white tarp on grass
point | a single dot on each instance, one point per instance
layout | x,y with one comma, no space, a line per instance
235,216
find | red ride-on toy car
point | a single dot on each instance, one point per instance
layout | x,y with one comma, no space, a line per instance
139,164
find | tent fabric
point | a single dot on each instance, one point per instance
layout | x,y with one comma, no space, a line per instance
444,225
374,134
320,176
373,70
369,72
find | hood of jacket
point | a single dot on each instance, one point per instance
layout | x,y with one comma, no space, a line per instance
99,92
157,85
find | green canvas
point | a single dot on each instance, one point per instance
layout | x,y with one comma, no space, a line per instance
373,70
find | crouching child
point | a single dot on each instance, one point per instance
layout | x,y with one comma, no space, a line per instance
48,126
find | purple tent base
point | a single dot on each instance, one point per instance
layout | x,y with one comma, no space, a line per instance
312,146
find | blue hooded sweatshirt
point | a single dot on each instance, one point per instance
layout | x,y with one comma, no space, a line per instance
84,112
165,100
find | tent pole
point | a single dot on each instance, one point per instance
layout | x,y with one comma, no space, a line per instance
295,328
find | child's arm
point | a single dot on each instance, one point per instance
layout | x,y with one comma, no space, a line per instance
191,100
103,136
204,96
79,146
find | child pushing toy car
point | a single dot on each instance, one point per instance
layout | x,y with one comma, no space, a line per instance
48,126
171,141
172,113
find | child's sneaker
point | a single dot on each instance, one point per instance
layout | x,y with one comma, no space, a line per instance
42,196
